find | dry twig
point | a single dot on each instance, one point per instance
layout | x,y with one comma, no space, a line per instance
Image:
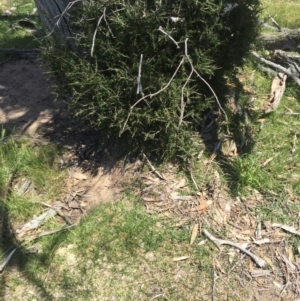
278,67
95,32
153,168
259,261
274,22
193,70
139,84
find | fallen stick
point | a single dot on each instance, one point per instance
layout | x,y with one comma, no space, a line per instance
286,228
259,261
45,233
278,67
153,168
59,212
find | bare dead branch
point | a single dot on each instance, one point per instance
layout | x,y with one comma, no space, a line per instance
95,32
68,7
274,22
259,261
139,84
176,43
153,168
206,83
182,105
276,66
151,95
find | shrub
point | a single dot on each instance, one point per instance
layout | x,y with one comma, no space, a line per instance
111,37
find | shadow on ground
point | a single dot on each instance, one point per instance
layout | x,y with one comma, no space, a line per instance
28,107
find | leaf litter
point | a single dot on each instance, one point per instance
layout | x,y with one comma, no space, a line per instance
258,246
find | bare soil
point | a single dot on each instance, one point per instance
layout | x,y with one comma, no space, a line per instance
29,107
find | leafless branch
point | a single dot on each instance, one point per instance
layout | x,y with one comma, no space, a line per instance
69,6
95,33
193,178
278,67
50,232
151,95
153,168
274,22
206,83
182,99
259,261
139,84
176,43
193,70
108,25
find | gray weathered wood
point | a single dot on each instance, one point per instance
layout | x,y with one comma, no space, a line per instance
288,39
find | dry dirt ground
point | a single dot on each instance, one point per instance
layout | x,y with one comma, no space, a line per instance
28,105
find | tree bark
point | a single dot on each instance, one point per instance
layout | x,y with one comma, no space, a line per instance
287,40
55,20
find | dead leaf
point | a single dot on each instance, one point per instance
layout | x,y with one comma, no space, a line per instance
286,228
180,258
194,233
203,206
79,176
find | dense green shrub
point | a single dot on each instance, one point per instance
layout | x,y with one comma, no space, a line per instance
102,78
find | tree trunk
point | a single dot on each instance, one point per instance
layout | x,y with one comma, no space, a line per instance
54,18
287,40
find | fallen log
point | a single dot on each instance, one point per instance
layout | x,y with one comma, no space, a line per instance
287,40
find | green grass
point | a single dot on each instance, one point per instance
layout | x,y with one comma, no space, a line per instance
286,13
127,254
22,161
12,36
117,251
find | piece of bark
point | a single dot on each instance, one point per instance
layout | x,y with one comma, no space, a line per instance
277,90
